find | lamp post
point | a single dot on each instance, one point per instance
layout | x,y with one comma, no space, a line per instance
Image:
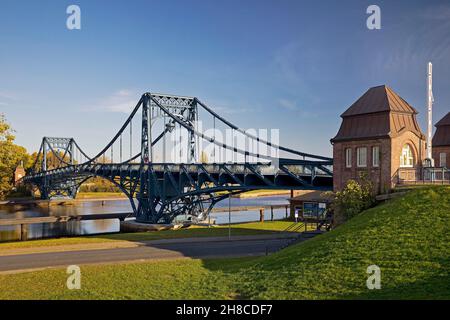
229,216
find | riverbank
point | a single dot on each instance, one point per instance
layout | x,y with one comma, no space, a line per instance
407,238
101,195
264,193
240,229
81,197
112,196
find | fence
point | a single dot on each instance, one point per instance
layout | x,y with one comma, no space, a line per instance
408,176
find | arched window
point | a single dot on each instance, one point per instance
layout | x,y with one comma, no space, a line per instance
406,158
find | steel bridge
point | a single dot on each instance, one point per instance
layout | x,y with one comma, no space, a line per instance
188,183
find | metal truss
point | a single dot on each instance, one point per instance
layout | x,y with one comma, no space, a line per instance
159,192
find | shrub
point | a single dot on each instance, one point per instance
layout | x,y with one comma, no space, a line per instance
353,199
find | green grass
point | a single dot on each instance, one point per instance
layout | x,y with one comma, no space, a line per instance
252,228
408,238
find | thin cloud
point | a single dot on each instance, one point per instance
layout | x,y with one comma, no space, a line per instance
6,98
291,105
288,104
7,95
122,101
287,63
438,12
430,40
230,108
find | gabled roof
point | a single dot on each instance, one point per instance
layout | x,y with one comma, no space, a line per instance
445,121
441,137
379,99
378,113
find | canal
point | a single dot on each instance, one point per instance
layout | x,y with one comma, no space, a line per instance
71,228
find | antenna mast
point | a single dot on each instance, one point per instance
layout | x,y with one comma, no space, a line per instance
430,113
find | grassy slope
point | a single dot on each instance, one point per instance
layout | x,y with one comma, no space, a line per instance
408,238
251,228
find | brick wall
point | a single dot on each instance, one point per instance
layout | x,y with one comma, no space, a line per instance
379,176
417,145
384,176
18,174
437,151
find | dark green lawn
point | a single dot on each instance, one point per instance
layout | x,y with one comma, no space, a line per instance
408,238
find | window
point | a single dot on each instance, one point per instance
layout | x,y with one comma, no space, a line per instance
406,158
348,158
442,159
376,156
361,157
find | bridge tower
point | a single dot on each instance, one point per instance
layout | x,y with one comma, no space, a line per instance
152,200
147,180
52,145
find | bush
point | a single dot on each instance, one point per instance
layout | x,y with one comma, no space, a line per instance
353,199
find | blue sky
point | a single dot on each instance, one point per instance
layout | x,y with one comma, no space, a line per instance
292,65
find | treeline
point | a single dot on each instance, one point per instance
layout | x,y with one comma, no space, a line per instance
13,155
98,185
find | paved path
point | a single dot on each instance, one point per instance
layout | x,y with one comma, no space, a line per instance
150,251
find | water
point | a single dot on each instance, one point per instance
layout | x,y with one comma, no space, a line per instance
45,230
250,215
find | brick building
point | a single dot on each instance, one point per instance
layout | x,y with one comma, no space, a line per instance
441,143
19,173
379,135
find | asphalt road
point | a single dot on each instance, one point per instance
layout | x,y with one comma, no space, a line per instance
204,249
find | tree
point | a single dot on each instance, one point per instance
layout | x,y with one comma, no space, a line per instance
54,162
11,155
98,184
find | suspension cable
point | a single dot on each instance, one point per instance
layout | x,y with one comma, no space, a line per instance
131,138
259,139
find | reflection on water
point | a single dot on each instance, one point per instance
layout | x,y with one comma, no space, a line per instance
246,216
71,228
250,215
